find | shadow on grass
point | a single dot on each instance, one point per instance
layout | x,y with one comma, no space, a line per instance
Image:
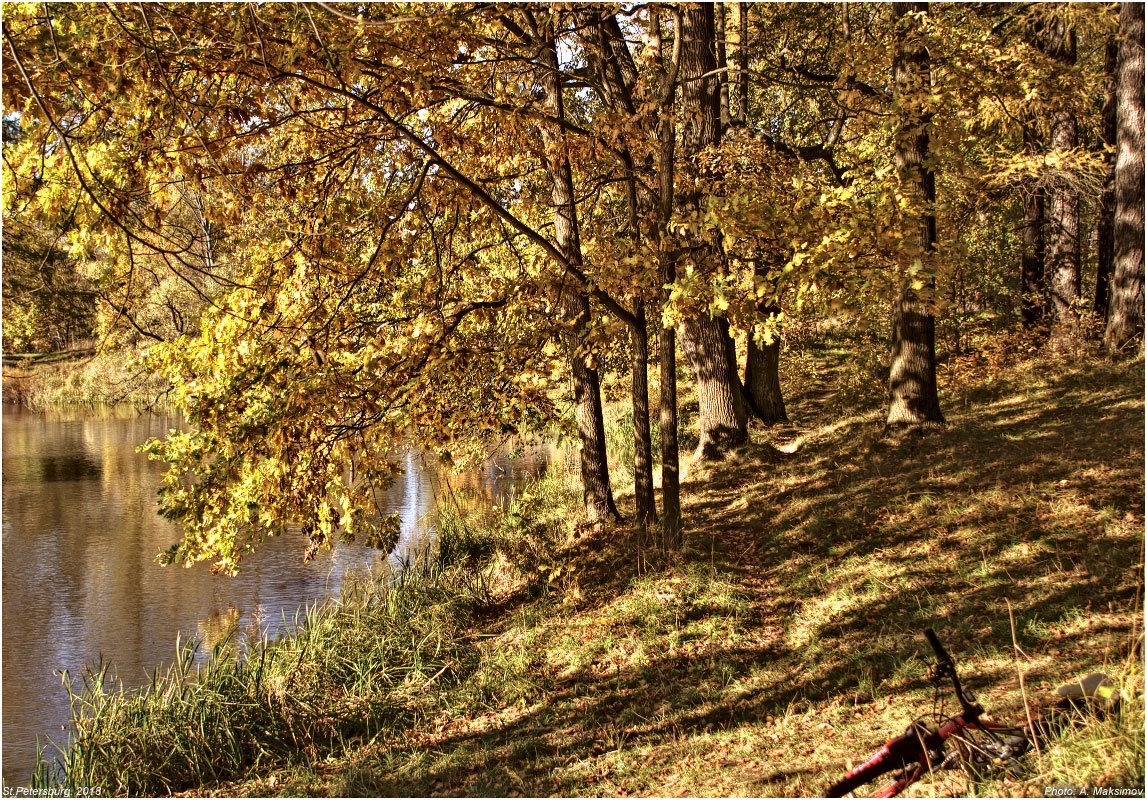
836,557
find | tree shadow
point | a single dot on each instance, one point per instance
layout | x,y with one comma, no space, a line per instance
1027,510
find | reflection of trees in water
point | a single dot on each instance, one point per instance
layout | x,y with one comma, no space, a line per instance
504,472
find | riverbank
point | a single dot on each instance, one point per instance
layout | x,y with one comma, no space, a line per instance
83,377
536,656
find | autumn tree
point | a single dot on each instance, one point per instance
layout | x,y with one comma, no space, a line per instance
913,401
705,340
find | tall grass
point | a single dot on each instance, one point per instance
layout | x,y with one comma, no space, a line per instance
98,380
1093,750
352,668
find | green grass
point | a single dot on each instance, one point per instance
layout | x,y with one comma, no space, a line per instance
351,669
785,642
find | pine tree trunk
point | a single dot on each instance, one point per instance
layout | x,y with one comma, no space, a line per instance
1125,319
1062,208
722,419
1105,216
913,399
1034,298
575,309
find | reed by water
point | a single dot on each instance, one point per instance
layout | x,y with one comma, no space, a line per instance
352,668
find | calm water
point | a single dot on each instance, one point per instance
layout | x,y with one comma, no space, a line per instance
80,535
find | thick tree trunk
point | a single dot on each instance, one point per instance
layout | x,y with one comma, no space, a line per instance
913,400
1033,290
724,422
1125,318
762,380
1062,208
722,419
575,309
1105,217
587,403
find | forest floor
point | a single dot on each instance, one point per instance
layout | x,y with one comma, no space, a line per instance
786,643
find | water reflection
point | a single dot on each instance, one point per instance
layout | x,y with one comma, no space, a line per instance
80,584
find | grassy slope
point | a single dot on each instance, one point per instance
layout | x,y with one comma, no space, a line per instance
787,640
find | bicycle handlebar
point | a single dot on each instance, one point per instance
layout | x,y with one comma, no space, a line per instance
941,654
946,667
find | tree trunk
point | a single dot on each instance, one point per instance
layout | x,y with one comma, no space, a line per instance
1105,218
575,308
723,63
666,273
642,440
722,419
1063,211
667,269
1125,319
743,63
1034,299
617,72
762,378
670,455
587,403
913,400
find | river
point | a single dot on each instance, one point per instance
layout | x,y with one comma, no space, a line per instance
80,582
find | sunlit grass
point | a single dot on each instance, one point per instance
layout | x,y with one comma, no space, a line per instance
784,643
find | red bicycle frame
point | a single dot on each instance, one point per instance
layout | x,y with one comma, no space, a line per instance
919,749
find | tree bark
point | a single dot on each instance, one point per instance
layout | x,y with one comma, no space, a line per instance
667,269
1063,210
743,63
1105,218
646,509
575,306
1033,290
1125,318
913,399
762,378
587,404
722,419
723,63
617,75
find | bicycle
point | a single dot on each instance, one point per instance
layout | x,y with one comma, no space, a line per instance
967,740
